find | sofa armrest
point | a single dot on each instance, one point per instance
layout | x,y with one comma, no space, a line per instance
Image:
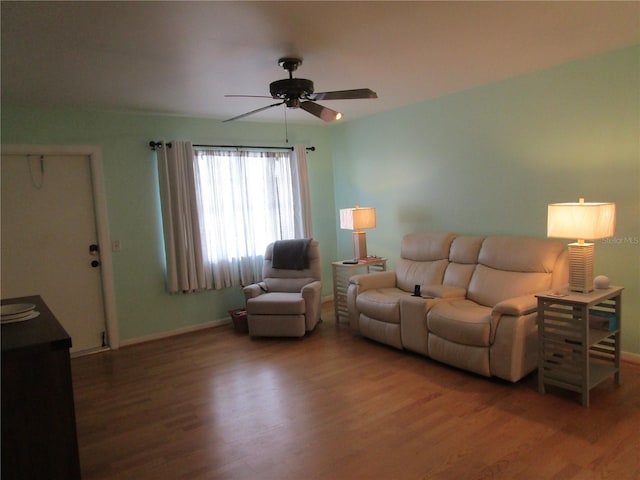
312,294
443,291
368,281
413,322
313,288
253,290
361,283
516,306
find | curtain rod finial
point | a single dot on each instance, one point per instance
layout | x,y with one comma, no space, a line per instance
155,145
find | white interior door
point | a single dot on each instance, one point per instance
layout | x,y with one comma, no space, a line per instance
48,224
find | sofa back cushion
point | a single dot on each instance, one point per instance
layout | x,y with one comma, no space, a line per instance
410,273
511,267
463,257
426,247
489,286
465,249
520,254
423,259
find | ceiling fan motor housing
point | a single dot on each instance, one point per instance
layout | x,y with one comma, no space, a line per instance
291,89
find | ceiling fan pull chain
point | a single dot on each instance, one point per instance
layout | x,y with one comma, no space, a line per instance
286,126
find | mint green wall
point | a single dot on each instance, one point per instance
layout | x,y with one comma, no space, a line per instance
488,161
143,306
485,161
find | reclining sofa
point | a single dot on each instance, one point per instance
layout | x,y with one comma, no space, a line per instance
477,309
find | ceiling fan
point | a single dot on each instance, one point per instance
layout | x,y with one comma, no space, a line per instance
298,93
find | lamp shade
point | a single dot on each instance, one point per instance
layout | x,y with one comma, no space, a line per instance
357,218
580,220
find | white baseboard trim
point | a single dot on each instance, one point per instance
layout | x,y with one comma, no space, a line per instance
92,351
179,331
630,357
624,356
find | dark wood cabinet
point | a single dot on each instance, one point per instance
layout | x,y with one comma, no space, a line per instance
39,438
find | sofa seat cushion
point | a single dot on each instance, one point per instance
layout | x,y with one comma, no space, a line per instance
469,357
383,332
461,321
276,303
383,304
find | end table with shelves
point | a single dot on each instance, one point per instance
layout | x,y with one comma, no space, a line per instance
577,350
341,274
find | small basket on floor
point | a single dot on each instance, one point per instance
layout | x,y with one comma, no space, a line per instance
239,317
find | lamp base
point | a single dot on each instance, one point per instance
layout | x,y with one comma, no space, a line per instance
360,244
581,267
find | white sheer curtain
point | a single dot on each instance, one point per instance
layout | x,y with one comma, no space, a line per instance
183,246
302,196
248,199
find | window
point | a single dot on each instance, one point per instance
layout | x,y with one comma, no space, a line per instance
245,200
220,209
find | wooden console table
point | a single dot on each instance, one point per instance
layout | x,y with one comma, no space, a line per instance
38,415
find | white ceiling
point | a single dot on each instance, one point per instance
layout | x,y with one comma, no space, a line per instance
183,57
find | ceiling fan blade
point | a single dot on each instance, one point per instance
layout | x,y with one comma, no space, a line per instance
321,112
250,96
345,94
252,112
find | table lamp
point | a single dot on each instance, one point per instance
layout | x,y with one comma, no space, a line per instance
357,219
590,221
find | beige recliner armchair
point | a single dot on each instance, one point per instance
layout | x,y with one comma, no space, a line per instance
287,302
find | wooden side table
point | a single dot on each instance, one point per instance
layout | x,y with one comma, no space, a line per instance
341,274
579,339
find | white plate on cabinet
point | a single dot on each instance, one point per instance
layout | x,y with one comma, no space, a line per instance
16,308
17,312
19,317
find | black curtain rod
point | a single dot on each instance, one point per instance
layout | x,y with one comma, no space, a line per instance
156,145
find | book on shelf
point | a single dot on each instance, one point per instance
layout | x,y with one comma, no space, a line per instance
600,320
369,258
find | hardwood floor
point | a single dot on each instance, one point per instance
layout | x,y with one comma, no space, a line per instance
217,405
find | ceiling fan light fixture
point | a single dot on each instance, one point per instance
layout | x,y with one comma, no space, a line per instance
292,102
338,116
